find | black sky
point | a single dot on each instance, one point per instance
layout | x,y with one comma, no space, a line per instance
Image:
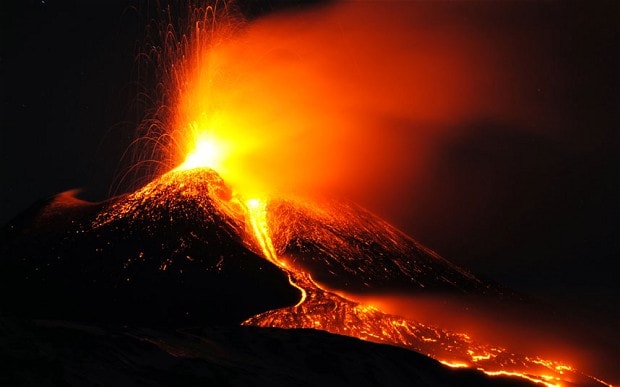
537,213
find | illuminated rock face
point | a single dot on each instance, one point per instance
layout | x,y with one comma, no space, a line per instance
348,248
169,253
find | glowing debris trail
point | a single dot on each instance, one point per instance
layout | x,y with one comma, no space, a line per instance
257,214
325,310
258,219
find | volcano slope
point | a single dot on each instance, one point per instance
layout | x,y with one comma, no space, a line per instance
168,254
180,250
185,250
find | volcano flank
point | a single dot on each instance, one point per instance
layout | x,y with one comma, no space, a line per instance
178,251
171,253
186,250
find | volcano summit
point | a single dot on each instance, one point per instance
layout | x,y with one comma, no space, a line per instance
170,253
185,249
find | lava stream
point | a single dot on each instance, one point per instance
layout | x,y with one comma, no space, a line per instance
257,213
325,310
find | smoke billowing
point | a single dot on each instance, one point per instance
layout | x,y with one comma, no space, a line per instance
355,97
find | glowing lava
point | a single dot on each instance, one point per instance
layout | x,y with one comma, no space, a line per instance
257,214
252,220
208,153
325,310
212,134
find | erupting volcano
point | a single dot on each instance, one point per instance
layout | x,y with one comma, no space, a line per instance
217,238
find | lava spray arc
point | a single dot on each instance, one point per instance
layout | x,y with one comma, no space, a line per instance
258,103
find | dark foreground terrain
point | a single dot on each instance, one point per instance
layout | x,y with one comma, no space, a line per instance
49,352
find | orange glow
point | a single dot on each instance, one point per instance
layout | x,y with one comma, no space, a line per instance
207,152
542,379
286,112
454,364
324,310
274,111
319,308
256,212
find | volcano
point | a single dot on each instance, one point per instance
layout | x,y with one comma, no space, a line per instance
170,253
182,250
186,251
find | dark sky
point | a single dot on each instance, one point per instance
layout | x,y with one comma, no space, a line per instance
536,212
67,106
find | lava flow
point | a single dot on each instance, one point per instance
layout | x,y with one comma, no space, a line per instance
325,310
328,310
222,122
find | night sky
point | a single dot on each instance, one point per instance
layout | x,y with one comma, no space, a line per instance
532,210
